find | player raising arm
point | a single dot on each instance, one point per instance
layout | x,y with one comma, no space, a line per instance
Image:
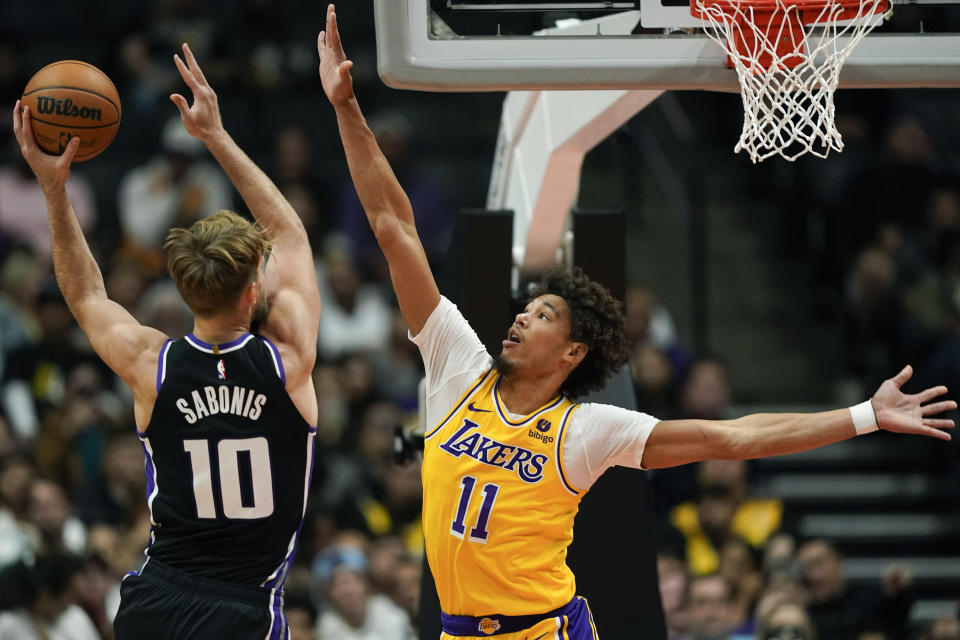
508,453
225,414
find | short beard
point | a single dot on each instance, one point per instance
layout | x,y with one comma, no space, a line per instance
260,313
504,366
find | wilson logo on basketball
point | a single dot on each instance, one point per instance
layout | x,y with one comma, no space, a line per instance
488,625
46,104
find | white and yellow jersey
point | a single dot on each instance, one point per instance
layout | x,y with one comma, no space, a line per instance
500,491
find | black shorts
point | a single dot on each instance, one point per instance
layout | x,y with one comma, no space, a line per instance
160,602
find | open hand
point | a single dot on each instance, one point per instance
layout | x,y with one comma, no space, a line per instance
202,119
51,171
902,413
334,66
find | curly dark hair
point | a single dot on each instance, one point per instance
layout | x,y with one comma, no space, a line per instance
596,319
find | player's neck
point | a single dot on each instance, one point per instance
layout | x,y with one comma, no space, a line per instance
218,329
523,395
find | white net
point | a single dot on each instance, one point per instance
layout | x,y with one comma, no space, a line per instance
788,59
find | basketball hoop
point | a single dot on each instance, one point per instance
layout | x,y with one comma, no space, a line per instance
788,55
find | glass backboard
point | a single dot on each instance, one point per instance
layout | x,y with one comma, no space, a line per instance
491,45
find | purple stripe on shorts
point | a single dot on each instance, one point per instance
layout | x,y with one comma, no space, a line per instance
278,630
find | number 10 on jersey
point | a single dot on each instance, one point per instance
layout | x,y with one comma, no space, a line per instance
228,457
478,533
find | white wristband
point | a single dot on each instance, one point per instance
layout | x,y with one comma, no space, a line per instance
864,418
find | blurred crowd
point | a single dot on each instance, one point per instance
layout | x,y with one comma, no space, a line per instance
73,518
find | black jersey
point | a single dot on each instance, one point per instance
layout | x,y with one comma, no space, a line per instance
228,461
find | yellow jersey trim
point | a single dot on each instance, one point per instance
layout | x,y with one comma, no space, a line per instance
558,454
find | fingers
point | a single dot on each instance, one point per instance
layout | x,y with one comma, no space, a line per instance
901,378
938,407
938,423
321,42
185,73
934,433
71,150
194,66
26,128
344,68
332,29
181,103
17,119
929,394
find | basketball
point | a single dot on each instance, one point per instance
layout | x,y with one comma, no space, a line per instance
70,99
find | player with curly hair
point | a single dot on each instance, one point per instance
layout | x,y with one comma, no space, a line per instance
508,451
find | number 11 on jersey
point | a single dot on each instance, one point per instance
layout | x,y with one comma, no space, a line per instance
479,531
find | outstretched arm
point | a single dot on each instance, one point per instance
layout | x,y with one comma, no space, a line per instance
386,205
116,336
676,442
290,278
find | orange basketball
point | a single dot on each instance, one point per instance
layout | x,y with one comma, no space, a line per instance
70,99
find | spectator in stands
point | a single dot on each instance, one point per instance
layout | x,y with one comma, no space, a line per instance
297,177
723,509
36,373
115,497
654,380
23,209
434,217
16,475
20,272
331,404
705,394
384,557
710,613
658,361
70,442
398,367
172,189
873,316
672,576
944,628
841,611
44,605
786,621
49,511
740,565
922,248
406,589
889,189
354,613
356,316
301,616
97,593
162,307
932,307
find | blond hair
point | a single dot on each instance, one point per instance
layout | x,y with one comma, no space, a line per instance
212,260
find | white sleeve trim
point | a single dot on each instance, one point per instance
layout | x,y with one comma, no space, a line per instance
453,359
602,436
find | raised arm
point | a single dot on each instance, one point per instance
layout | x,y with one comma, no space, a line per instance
386,205
126,346
290,278
676,442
